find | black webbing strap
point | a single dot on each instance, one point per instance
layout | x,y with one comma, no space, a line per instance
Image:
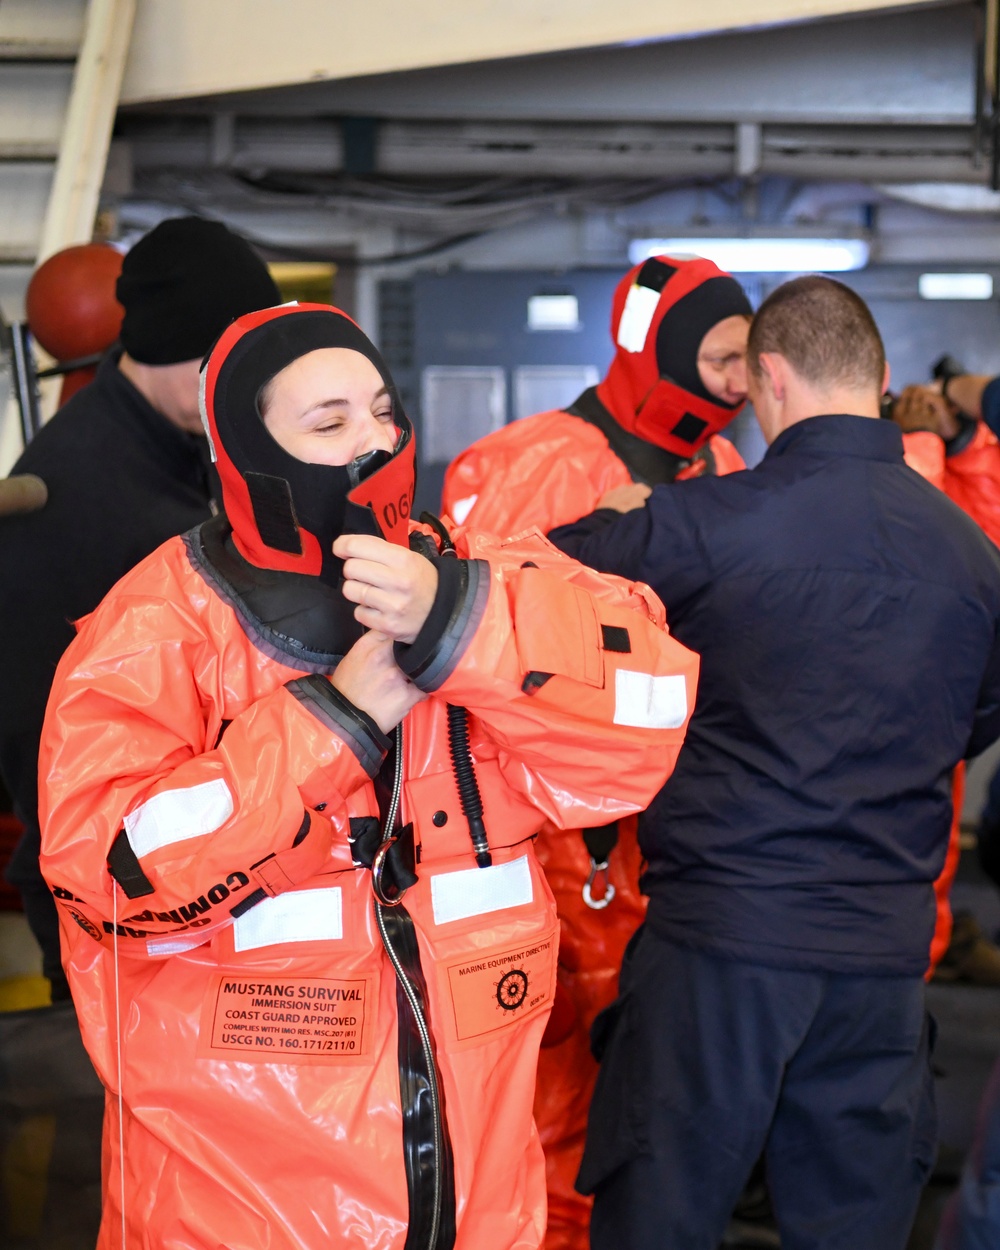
365,838
124,866
600,841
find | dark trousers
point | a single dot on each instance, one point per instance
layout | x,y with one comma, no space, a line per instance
708,1062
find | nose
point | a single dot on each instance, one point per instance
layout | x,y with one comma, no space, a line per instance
736,377
375,436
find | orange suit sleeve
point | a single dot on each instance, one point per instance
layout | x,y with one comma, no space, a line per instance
149,793
570,674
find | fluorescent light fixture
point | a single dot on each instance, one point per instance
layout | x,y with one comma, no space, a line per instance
761,255
553,312
955,286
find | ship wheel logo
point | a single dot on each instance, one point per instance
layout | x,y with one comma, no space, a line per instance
512,989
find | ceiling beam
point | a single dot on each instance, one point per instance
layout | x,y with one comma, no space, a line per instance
185,48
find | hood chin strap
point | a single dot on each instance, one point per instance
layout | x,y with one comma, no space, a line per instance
669,416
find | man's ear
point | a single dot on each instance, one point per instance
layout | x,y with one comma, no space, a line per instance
886,378
773,373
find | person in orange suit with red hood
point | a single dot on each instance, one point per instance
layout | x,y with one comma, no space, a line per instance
677,379
294,766
949,437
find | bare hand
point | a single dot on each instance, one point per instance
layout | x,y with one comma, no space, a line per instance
393,586
625,498
369,677
925,408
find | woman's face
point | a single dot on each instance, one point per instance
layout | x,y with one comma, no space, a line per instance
329,407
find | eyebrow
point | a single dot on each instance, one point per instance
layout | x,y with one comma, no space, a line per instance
340,403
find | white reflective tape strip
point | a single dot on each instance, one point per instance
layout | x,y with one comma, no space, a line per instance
176,815
637,316
462,507
158,947
649,702
477,891
203,409
299,916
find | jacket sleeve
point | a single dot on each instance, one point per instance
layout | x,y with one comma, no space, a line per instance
659,544
147,791
570,675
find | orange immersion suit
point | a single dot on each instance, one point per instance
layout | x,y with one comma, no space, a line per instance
274,1079
971,479
544,471
260,1064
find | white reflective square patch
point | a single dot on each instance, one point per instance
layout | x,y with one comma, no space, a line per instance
649,702
176,815
637,316
478,891
299,916
461,508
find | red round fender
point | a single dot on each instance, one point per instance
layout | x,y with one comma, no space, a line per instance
71,306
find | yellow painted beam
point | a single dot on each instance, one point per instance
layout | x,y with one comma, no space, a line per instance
183,48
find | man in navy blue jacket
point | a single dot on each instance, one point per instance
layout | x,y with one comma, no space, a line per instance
847,616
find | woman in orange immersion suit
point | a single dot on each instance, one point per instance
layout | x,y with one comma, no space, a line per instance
678,377
306,933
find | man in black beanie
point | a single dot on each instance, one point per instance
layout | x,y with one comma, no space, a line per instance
126,465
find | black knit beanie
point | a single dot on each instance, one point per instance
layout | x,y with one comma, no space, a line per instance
182,284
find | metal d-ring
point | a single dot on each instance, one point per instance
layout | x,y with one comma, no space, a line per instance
378,867
598,904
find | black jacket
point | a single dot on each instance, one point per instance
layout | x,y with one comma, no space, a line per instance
847,614
122,479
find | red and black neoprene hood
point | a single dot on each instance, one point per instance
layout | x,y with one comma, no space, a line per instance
286,513
661,311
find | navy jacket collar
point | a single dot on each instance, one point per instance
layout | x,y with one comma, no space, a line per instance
840,435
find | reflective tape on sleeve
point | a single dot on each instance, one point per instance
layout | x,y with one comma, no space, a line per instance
176,815
477,891
298,916
159,948
649,702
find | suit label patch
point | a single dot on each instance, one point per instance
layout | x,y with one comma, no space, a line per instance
502,988
287,1020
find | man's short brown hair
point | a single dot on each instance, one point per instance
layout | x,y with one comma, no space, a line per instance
825,332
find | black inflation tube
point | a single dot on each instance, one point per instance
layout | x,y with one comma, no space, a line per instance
468,786
458,741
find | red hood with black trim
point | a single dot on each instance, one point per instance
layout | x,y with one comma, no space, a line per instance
660,399
285,513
